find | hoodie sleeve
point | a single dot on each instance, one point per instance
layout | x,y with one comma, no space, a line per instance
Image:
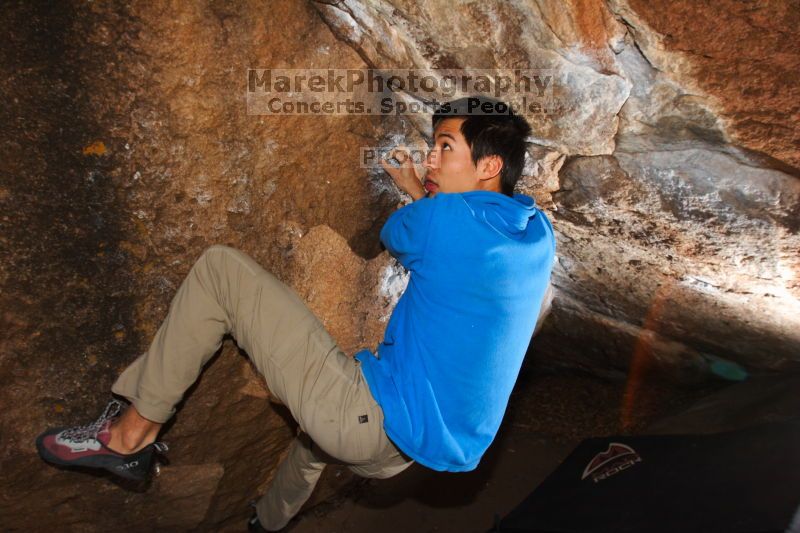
406,231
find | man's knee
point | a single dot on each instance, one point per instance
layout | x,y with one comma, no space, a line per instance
227,261
217,254
211,258
218,248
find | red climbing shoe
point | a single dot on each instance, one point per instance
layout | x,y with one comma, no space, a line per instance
86,446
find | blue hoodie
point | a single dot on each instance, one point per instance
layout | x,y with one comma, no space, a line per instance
480,263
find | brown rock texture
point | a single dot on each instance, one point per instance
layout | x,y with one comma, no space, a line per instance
744,55
669,169
127,150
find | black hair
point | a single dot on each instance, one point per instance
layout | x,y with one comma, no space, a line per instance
490,128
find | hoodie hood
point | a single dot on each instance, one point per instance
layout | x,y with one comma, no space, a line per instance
508,215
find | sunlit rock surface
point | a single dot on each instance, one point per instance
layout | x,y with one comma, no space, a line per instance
677,211
670,171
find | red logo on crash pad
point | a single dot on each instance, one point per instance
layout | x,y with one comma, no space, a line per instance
616,458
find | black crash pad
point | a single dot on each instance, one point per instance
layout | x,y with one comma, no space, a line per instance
734,482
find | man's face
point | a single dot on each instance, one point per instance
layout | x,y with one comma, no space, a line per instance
449,163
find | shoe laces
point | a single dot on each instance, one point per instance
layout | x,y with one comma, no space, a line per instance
90,431
160,447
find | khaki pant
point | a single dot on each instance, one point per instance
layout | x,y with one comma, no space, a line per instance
226,291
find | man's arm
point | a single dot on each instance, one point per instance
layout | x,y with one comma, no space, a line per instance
405,176
407,231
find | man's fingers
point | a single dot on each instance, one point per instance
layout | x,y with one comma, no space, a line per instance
388,168
401,153
406,174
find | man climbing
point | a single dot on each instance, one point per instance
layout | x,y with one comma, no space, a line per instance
480,259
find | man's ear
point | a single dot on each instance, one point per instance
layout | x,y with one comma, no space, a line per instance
490,166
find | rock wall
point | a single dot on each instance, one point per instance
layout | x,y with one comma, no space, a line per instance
670,173
669,169
127,150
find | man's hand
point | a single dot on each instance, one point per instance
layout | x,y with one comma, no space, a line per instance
405,176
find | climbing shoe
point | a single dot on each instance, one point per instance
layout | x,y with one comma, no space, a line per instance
86,446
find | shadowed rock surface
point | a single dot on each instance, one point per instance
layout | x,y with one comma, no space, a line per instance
669,170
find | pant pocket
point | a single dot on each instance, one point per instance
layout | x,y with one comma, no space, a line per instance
336,413
386,460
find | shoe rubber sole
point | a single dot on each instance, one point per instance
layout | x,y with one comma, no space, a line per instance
126,466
